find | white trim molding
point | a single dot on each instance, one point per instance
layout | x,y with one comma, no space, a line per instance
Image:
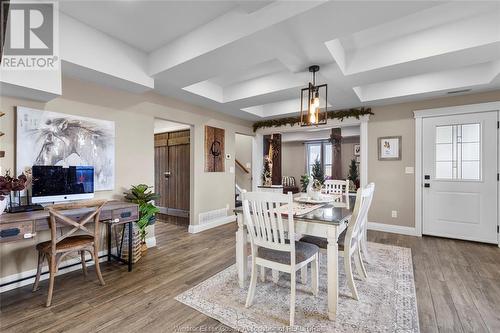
460,109
193,229
437,112
394,229
31,273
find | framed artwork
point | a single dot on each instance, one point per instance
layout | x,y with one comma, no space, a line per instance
52,138
214,149
357,150
389,148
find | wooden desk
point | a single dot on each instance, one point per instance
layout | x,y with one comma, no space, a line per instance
20,226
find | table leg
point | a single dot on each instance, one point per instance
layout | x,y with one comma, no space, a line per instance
108,225
130,241
241,251
333,282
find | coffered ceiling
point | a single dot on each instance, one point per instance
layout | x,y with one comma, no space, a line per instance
250,58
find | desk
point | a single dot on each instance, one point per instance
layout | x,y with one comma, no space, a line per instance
328,221
17,227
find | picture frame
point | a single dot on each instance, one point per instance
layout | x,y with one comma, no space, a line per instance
357,150
389,148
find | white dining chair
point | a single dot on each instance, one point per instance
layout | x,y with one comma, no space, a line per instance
338,188
350,239
270,248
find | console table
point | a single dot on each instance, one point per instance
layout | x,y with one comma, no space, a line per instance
16,227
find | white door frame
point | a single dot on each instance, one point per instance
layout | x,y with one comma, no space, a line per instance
446,111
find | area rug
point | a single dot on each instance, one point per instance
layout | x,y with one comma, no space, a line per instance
387,299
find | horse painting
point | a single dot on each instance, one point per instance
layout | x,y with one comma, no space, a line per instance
60,139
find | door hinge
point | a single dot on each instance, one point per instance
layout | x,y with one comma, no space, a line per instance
498,124
498,229
498,177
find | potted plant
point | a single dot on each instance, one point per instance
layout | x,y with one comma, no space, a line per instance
353,176
304,181
317,172
143,196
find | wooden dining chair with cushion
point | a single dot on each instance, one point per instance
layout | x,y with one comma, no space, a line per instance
270,248
68,241
349,241
339,188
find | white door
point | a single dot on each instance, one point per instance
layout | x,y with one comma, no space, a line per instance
460,176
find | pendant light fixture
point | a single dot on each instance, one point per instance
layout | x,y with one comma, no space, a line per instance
312,113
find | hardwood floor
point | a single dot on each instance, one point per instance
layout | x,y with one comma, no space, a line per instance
458,287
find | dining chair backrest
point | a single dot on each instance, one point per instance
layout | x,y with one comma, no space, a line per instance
264,220
356,226
90,211
337,187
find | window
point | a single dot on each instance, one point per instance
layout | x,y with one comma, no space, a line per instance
458,152
321,150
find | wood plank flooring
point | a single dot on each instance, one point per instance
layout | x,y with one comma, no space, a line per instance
458,287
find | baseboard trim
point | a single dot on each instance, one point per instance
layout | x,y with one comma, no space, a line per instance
193,229
395,229
27,277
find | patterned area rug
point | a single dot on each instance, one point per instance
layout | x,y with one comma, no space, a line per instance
387,299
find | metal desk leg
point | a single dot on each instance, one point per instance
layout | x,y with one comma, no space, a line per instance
109,240
130,246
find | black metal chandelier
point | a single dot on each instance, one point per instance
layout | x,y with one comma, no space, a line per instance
311,112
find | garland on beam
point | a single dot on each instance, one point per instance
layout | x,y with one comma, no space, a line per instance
339,114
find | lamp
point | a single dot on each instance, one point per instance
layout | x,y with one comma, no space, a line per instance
311,112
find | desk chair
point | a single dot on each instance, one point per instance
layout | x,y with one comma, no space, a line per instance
60,246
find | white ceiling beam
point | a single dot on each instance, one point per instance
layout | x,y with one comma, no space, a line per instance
430,82
224,30
87,47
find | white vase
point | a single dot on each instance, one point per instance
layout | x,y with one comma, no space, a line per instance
316,195
3,205
309,189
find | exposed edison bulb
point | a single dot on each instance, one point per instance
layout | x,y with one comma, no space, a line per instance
312,110
315,102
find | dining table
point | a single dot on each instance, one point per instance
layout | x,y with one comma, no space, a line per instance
327,221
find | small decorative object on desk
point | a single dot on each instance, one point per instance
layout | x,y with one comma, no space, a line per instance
12,187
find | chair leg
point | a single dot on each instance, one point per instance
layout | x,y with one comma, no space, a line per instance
315,275
84,264
276,275
262,274
52,270
41,256
253,283
360,267
292,297
349,277
303,275
97,267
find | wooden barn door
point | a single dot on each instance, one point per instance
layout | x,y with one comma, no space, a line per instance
172,172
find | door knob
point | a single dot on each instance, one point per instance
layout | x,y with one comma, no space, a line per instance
167,174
